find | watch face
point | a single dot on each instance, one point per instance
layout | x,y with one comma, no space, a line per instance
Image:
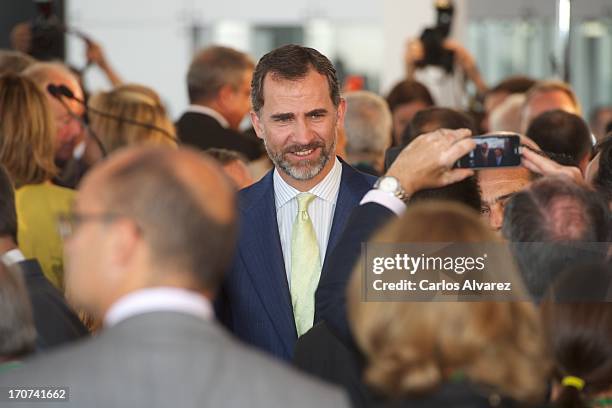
388,184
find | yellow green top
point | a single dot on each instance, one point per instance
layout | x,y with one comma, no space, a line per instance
38,206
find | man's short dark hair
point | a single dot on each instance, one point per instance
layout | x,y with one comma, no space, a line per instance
514,84
8,214
437,118
562,133
214,67
408,91
18,333
226,156
292,62
546,222
602,180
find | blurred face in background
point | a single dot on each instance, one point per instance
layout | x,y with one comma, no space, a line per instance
69,131
402,115
497,185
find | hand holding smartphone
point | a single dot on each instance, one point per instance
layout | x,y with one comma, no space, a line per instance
500,149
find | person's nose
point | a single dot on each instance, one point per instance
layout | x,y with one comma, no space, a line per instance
496,217
303,133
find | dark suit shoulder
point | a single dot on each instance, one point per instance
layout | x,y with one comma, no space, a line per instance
357,178
251,195
204,132
56,323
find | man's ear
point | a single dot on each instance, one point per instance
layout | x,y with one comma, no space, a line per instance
125,237
226,95
341,111
257,126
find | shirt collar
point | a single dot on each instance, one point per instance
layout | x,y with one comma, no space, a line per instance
160,299
210,112
327,189
12,257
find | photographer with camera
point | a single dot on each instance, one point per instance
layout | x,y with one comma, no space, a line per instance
442,64
43,38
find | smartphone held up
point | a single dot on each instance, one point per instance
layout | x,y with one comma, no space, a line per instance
493,150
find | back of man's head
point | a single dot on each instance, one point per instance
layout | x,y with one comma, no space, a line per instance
408,91
562,133
214,67
8,214
545,224
506,117
173,206
183,214
545,96
367,123
292,62
431,119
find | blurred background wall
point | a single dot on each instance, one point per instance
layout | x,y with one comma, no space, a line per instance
151,41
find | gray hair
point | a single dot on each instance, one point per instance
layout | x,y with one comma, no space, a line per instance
16,321
39,72
14,61
367,123
507,116
214,67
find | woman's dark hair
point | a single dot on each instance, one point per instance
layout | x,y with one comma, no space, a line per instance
577,315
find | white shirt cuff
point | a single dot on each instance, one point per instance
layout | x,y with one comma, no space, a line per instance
385,199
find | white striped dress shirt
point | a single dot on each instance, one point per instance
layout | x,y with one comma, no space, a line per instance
321,211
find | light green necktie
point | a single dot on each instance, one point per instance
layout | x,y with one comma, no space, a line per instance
305,265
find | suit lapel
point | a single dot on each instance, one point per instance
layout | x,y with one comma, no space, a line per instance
353,187
265,263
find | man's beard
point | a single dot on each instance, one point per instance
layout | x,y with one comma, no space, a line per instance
307,169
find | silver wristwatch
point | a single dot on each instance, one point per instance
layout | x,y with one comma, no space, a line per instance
391,185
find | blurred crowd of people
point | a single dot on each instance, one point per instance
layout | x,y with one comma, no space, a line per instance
148,261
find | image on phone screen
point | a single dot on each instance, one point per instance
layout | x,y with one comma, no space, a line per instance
494,150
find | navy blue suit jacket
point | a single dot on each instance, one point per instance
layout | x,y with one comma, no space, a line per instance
254,302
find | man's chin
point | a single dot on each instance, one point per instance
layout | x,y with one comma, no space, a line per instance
304,170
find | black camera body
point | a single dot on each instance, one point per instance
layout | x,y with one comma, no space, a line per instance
47,33
433,38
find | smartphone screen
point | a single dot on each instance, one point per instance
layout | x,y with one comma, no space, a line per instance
493,150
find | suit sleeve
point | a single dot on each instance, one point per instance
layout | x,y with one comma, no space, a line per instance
363,222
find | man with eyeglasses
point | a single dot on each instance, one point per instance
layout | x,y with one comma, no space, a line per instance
148,241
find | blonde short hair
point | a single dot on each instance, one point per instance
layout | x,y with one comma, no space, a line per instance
134,103
412,347
27,131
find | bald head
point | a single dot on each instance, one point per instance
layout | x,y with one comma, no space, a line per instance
150,217
547,96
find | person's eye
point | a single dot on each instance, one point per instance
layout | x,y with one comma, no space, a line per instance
317,115
485,210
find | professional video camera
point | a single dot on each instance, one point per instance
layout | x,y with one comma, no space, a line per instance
433,38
